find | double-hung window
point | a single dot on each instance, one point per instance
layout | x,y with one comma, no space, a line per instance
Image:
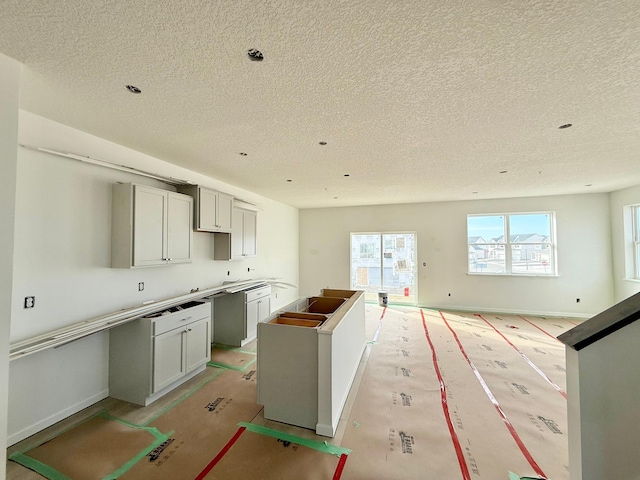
512,244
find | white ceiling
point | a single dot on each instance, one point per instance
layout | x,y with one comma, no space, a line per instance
418,100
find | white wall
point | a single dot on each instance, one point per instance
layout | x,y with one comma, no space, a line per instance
621,242
603,407
9,95
62,257
584,254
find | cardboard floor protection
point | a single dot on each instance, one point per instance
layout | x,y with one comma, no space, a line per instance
99,448
202,425
502,378
257,454
504,414
233,358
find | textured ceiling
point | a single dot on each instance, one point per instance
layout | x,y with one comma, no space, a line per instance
418,100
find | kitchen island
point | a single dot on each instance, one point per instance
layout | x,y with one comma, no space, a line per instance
308,356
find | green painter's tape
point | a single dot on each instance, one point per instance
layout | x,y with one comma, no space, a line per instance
38,467
232,367
52,474
515,476
182,398
127,466
323,447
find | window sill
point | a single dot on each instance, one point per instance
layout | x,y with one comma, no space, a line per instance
550,275
632,280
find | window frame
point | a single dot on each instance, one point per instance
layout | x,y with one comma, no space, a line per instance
635,225
508,246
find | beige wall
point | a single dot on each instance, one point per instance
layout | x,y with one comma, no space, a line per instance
9,90
583,239
621,242
62,256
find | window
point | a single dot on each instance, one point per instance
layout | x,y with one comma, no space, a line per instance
384,262
512,244
635,222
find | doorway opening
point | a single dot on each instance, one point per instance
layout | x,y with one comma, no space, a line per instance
385,262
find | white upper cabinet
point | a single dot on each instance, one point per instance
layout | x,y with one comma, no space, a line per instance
150,226
249,239
242,242
213,210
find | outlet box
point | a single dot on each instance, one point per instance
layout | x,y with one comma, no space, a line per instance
140,286
29,302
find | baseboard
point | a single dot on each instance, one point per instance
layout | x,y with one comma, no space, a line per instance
537,313
55,418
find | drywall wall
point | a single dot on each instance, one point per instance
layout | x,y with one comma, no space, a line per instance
9,93
603,414
622,249
583,239
62,257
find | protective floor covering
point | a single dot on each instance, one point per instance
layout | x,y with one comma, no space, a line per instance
448,395
233,358
443,395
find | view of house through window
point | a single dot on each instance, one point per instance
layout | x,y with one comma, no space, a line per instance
384,262
512,243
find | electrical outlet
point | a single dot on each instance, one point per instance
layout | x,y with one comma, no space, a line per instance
140,286
29,302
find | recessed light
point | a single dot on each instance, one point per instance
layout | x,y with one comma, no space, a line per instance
566,125
503,171
255,55
133,89
322,143
243,154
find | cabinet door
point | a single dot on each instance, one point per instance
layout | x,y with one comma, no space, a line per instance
179,234
251,318
198,344
225,212
168,358
149,214
264,309
207,206
249,241
237,233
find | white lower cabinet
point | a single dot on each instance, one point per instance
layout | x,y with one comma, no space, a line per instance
237,315
150,356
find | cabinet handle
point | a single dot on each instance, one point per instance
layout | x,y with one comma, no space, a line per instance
184,319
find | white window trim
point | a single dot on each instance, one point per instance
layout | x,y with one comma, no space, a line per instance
507,245
635,225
